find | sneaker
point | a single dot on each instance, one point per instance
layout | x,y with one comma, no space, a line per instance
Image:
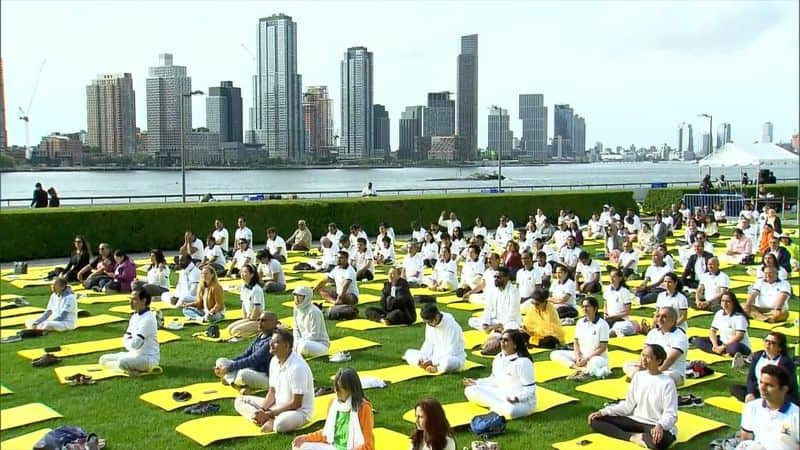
578,376
174,325
339,357
685,401
567,321
739,361
697,401
234,340
202,409
47,360
20,301
181,396
10,339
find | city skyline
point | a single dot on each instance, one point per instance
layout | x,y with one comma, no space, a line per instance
632,91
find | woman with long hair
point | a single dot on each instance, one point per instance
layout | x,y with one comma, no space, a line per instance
78,259
121,278
433,429
349,422
510,390
157,274
617,299
252,297
728,333
210,305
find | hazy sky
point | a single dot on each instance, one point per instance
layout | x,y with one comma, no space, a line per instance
633,69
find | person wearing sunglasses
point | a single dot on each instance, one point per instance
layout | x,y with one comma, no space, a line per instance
775,353
250,370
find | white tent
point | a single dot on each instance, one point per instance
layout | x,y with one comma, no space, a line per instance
751,155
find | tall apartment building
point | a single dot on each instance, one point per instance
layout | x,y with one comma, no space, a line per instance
380,132
766,132
579,137
357,119
166,106
564,128
410,128
500,137
111,113
224,111
440,115
278,112
723,134
3,130
318,118
467,93
533,114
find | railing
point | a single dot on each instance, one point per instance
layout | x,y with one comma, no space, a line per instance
258,196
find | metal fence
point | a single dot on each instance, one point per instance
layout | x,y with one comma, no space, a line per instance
734,203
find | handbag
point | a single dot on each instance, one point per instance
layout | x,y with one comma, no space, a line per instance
488,425
20,268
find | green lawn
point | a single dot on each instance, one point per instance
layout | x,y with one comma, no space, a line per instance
113,410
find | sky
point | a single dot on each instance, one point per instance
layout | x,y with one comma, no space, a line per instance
634,70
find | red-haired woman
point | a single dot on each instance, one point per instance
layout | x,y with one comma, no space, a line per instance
433,430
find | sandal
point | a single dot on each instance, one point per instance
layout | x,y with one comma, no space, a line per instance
81,379
181,396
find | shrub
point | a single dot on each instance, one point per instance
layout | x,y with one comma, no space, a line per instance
48,233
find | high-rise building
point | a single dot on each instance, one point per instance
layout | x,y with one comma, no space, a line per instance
689,155
380,131
440,115
410,128
111,113
533,114
357,103
564,128
680,139
467,93
166,106
3,131
500,137
278,113
318,118
224,112
579,137
723,134
706,144
766,132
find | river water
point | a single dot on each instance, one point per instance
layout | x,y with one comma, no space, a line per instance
144,182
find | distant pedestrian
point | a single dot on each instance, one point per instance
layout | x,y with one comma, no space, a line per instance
39,197
368,191
54,202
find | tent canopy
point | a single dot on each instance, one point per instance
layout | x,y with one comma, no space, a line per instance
750,155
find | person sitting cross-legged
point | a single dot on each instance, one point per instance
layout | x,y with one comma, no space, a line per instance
310,335
501,313
349,422
769,298
186,289
61,313
728,334
589,356
443,349
397,304
587,274
250,370
252,297
210,304
674,342
140,339
289,402
648,415
541,322
344,296
774,353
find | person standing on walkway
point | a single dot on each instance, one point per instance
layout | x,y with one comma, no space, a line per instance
39,197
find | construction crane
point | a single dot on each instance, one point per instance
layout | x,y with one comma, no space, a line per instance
25,115
249,52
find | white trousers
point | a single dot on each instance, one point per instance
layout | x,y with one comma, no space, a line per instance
244,377
310,349
315,446
445,364
247,405
624,327
127,361
488,395
50,325
567,358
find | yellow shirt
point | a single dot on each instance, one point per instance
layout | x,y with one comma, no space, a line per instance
539,324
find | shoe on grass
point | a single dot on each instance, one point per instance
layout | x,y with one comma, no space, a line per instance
739,361
202,409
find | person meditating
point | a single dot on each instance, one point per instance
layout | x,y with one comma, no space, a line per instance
250,370
728,333
310,335
774,353
443,349
140,339
61,313
648,415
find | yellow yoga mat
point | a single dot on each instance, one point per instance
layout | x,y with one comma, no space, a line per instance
691,426
25,441
201,392
113,298
372,285
736,284
20,320
473,338
695,381
761,325
386,439
349,343
404,372
633,343
208,430
363,298
234,314
595,441
5,391
532,351
22,310
616,358
464,306
696,354
287,322
448,299
691,313
426,291
617,388
25,415
789,331
101,345
155,306
550,370
21,284
727,403
366,324
6,333
100,319
96,371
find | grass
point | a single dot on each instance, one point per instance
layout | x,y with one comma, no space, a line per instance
112,408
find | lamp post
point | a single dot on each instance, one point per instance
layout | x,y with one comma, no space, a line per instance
710,131
183,146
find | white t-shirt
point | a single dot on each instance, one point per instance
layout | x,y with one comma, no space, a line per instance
589,272
188,279
269,270
471,270
677,302
141,337
198,246
214,255
244,233
656,274
292,378
241,256
674,339
629,260
340,276
480,231
413,267
63,304
430,250
502,307
527,281
558,289
768,293
591,334
446,272
569,256
774,430
541,272
418,235
727,326
713,284
616,300
159,276
277,246
221,236
250,298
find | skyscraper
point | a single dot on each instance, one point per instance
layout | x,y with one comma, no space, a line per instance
579,137
440,115
680,139
380,131
467,93
500,137
564,128
278,112
356,103
410,128
111,113
166,104
224,111
3,131
533,114
689,155
723,134
706,144
766,132
318,118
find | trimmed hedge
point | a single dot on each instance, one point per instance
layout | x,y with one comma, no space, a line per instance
48,233
658,199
